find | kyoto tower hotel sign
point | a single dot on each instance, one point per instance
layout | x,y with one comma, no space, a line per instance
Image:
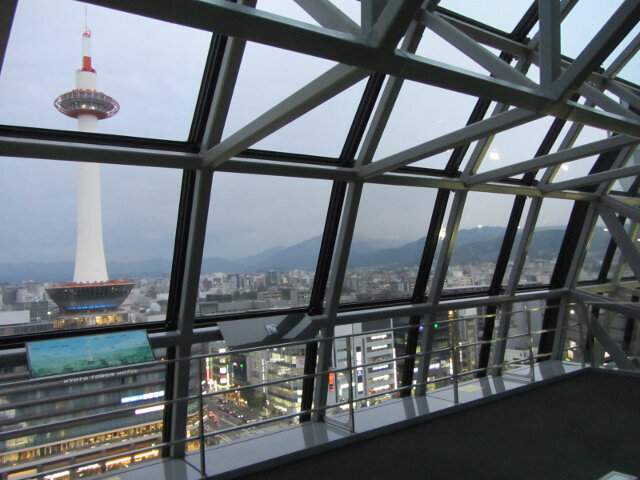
91,289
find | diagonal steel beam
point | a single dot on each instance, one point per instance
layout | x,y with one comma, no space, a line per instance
600,146
622,208
226,18
497,123
618,271
600,47
223,93
596,118
473,50
489,38
329,16
230,19
387,101
601,334
623,92
621,237
593,179
606,103
327,85
607,303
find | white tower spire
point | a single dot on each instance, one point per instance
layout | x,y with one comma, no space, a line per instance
88,105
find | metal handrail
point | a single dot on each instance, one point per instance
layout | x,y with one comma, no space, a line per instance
451,380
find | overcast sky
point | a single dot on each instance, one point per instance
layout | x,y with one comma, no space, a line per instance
154,70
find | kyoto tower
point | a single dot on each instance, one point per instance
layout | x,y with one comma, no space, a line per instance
91,288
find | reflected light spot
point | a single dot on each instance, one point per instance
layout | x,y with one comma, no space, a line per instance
564,167
494,155
443,233
480,226
605,229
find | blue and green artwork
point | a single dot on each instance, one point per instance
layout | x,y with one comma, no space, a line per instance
75,354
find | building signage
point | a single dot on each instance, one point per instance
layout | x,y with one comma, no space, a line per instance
53,357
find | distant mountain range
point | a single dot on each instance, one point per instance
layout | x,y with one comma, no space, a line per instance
477,245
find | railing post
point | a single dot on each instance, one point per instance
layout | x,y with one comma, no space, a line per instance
352,424
203,467
453,341
531,358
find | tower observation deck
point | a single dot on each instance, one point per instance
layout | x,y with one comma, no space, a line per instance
91,288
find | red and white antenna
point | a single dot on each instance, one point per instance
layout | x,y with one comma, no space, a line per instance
86,46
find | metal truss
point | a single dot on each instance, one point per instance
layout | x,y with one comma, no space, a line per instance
576,92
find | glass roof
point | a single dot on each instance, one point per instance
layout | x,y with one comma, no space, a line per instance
152,69
224,196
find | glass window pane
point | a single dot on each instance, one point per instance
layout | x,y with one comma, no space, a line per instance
235,395
370,349
322,131
434,47
575,169
635,31
590,134
516,144
262,243
152,69
595,254
631,71
287,9
351,9
482,229
501,14
583,23
388,241
420,113
38,244
267,76
546,241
